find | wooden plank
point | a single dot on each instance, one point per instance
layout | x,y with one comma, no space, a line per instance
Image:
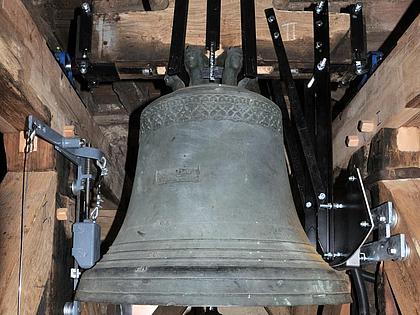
404,277
390,97
39,220
31,82
144,37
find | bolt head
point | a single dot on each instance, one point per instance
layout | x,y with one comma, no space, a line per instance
392,251
86,7
352,178
319,23
321,196
382,218
271,19
364,224
318,45
308,204
358,7
276,35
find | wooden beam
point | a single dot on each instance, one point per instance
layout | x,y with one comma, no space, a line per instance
390,98
404,277
138,37
39,223
31,82
41,160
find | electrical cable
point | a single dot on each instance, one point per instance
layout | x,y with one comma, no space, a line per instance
360,290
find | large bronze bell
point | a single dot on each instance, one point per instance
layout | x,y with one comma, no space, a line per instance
211,219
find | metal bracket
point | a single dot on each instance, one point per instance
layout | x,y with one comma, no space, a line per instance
84,38
176,54
249,38
393,248
72,148
213,37
384,219
357,38
387,247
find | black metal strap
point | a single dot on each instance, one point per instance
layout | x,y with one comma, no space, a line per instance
179,30
323,117
296,109
213,34
357,37
249,38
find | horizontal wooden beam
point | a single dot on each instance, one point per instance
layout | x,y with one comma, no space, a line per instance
390,98
140,37
31,82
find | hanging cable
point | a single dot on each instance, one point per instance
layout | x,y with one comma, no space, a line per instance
28,148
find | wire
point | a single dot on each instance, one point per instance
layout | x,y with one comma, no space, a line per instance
22,233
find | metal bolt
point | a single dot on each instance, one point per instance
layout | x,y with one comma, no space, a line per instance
364,224
352,178
326,206
321,65
271,19
321,196
382,219
276,35
318,45
147,71
338,206
311,82
319,7
319,23
358,7
308,204
392,251
359,67
83,69
75,273
86,7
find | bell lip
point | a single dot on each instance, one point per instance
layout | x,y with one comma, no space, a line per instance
329,287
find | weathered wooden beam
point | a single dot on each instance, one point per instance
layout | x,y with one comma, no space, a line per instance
138,37
39,227
390,98
31,82
42,158
404,277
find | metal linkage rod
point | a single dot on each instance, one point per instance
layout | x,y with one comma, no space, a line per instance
179,31
213,34
296,109
249,38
